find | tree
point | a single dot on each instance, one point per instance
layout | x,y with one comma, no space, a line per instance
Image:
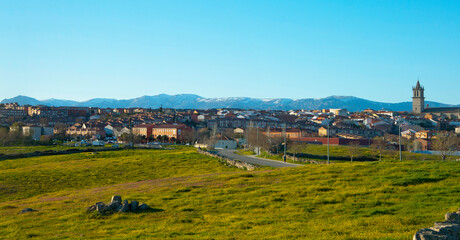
379,146
59,131
3,136
445,143
162,138
353,149
296,147
189,136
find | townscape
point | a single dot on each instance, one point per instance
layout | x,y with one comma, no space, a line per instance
226,120
210,127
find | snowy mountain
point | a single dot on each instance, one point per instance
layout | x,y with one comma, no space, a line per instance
191,101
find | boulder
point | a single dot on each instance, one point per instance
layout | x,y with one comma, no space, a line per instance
100,206
124,206
116,198
134,206
113,205
143,207
452,217
26,210
447,230
428,234
91,208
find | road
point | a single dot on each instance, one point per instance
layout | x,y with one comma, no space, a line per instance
255,160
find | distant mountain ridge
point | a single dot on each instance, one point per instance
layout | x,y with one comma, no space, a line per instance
192,101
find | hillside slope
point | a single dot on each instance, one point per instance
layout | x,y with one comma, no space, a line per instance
193,198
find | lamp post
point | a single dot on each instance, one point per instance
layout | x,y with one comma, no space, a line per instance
328,143
284,130
399,133
258,148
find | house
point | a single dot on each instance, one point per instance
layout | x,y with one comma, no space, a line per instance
425,134
143,129
177,131
37,131
366,133
34,131
84,130
238,131
108,130
225,143
339,112
408,134
290,133
422,144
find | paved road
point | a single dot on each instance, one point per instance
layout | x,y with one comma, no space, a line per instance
255,160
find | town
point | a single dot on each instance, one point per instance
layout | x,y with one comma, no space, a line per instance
229,128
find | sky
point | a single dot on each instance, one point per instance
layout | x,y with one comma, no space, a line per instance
79,50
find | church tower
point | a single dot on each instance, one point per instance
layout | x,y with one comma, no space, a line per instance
418,99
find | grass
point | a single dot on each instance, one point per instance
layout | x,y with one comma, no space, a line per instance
31,149
26,177
319,152
194,197
245,152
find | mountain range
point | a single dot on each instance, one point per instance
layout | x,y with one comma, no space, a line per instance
191,101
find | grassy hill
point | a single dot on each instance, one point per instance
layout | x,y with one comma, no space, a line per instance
196,197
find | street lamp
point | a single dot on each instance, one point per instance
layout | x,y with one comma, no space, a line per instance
284,130
328,143
399,133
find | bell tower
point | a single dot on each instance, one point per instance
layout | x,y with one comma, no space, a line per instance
418,99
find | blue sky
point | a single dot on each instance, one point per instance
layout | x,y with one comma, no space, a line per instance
376,50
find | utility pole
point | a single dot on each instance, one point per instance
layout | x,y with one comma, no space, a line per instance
284,133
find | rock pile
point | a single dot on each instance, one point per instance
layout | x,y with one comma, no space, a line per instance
117,205
26,210
447,230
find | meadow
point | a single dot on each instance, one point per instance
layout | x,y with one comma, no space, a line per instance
196,197
319,152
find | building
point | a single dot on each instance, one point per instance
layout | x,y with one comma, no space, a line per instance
143,129
36,131
418,105
366,133
339,112
177,131
84,131
418,98
425,134
290,133
334,141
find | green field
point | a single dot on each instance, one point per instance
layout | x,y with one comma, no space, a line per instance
31,149
196,197
320,152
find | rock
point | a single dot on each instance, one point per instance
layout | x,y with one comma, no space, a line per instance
26,210
91,208
143,207
133,206
124,206
117,205
100,206
116,198
452,217
447,230
113,205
